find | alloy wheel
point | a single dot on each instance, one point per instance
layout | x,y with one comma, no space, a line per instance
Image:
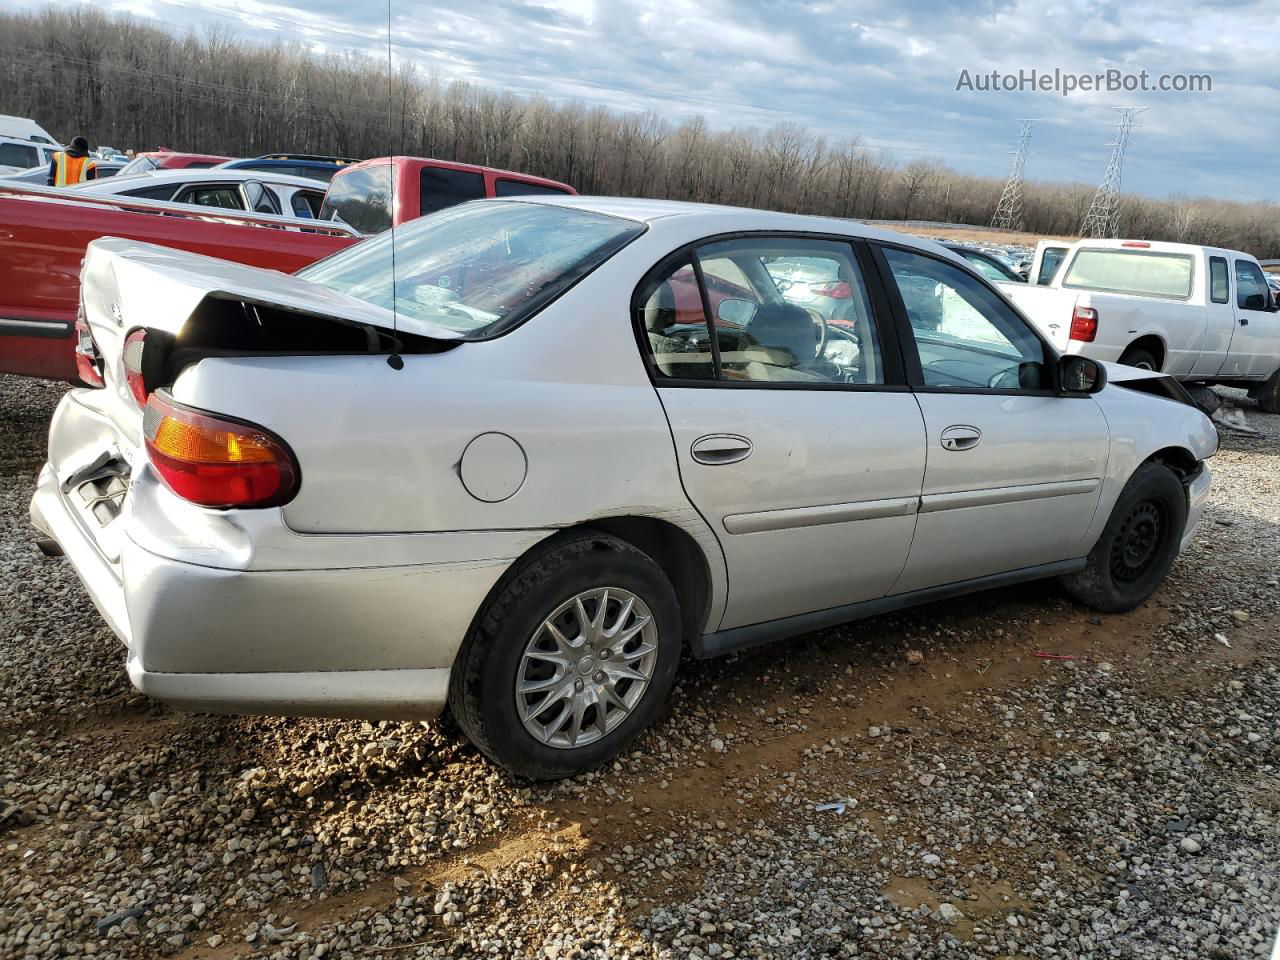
586,667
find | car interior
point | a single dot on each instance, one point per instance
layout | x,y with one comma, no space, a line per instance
767,328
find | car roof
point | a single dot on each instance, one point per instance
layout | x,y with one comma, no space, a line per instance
205,175
730,218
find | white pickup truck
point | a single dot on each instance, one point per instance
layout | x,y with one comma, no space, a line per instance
1196,313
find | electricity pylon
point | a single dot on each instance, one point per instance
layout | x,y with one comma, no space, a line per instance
1103,218
1008,213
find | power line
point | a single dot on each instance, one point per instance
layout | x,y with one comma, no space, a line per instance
1103,218
1008,213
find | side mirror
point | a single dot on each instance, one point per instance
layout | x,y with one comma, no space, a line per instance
1082,375
1256,301
737,312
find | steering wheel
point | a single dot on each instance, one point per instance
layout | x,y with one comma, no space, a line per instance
1006,379
821,350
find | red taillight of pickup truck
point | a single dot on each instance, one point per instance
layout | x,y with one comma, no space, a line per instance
88,360
1084,324
132,358
215,461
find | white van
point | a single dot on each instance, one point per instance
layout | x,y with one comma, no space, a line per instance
24,143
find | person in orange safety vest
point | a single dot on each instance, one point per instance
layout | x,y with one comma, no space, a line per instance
72,165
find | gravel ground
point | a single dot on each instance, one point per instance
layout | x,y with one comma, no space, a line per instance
1121,803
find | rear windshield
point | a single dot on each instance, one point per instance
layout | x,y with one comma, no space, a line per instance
477,269
361,198
1141,272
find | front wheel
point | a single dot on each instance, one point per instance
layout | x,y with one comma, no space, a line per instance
1267,393
570,658
1138,544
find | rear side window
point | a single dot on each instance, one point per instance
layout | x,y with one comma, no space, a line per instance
361,199
18,155
1219,283
152,193
1139,272
442,187
518,188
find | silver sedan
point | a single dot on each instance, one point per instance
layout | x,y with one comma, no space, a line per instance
553,446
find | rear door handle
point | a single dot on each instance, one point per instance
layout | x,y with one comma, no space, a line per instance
720,448
961,437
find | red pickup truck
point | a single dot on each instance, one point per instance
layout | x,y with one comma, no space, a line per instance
43,235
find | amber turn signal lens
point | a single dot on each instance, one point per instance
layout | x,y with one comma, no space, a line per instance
215,461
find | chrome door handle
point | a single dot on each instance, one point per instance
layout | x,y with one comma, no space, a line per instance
961,438
720,448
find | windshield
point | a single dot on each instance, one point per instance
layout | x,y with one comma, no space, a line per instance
139,164
477,269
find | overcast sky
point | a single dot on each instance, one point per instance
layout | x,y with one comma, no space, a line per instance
883,70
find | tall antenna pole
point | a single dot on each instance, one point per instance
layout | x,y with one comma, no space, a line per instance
1008,213
1103,218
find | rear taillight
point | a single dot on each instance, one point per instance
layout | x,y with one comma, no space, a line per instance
88,360
215,461
132,359
836,290
1084,324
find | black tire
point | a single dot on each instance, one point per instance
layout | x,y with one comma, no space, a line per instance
1267,393
1138,544
482,690
1138,357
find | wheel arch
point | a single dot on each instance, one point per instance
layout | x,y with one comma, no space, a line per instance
1154,344
676,552
1178,459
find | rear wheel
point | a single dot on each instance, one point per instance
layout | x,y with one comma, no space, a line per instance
1140,358
570,658
1138,544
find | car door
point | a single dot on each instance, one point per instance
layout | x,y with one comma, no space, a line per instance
796,436
1014,471
1220,319
1253,347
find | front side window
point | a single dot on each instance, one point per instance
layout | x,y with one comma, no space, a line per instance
1139,272
1219,284
476,270
1050,260
966,336
361,198
782,310
1252,292
443,188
